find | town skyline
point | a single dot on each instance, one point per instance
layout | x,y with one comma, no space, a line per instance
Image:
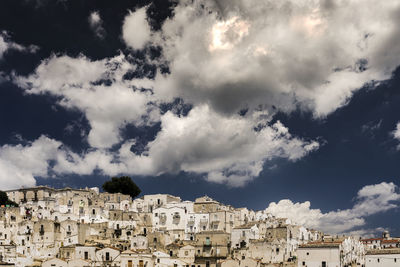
291,106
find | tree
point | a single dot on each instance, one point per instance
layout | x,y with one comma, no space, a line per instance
5,201
123,184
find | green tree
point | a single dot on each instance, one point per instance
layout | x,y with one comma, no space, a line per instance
5,201
123,184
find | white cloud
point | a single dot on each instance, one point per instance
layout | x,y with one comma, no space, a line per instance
78,81
238,55
6,44
136,30
46,157
371,199
96,24
227,148
223,56
19,164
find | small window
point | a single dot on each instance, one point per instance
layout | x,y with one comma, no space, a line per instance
304,263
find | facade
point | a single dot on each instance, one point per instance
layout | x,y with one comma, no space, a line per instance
83,227
384,257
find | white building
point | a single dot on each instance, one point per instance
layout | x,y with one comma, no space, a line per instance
334,253
241,235
383,258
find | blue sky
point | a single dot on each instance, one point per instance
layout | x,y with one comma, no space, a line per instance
247,105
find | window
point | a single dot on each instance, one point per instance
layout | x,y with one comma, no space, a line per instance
304,263
308,253
277,250
86,255
107,256
323,264
378,260
187,253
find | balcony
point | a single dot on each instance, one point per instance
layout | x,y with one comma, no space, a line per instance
215,221
163,219
203,221
207,243
191,221
176,219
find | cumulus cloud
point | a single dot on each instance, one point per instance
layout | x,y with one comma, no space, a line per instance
45,157
228,149
223,57
20,164
96,88
6,44
371,199
136,30
96,24
202,142
236,54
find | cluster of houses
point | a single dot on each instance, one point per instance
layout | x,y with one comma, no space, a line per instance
84,227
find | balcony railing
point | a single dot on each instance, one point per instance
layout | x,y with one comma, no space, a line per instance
203,221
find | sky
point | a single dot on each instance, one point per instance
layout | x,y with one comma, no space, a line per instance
286,106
